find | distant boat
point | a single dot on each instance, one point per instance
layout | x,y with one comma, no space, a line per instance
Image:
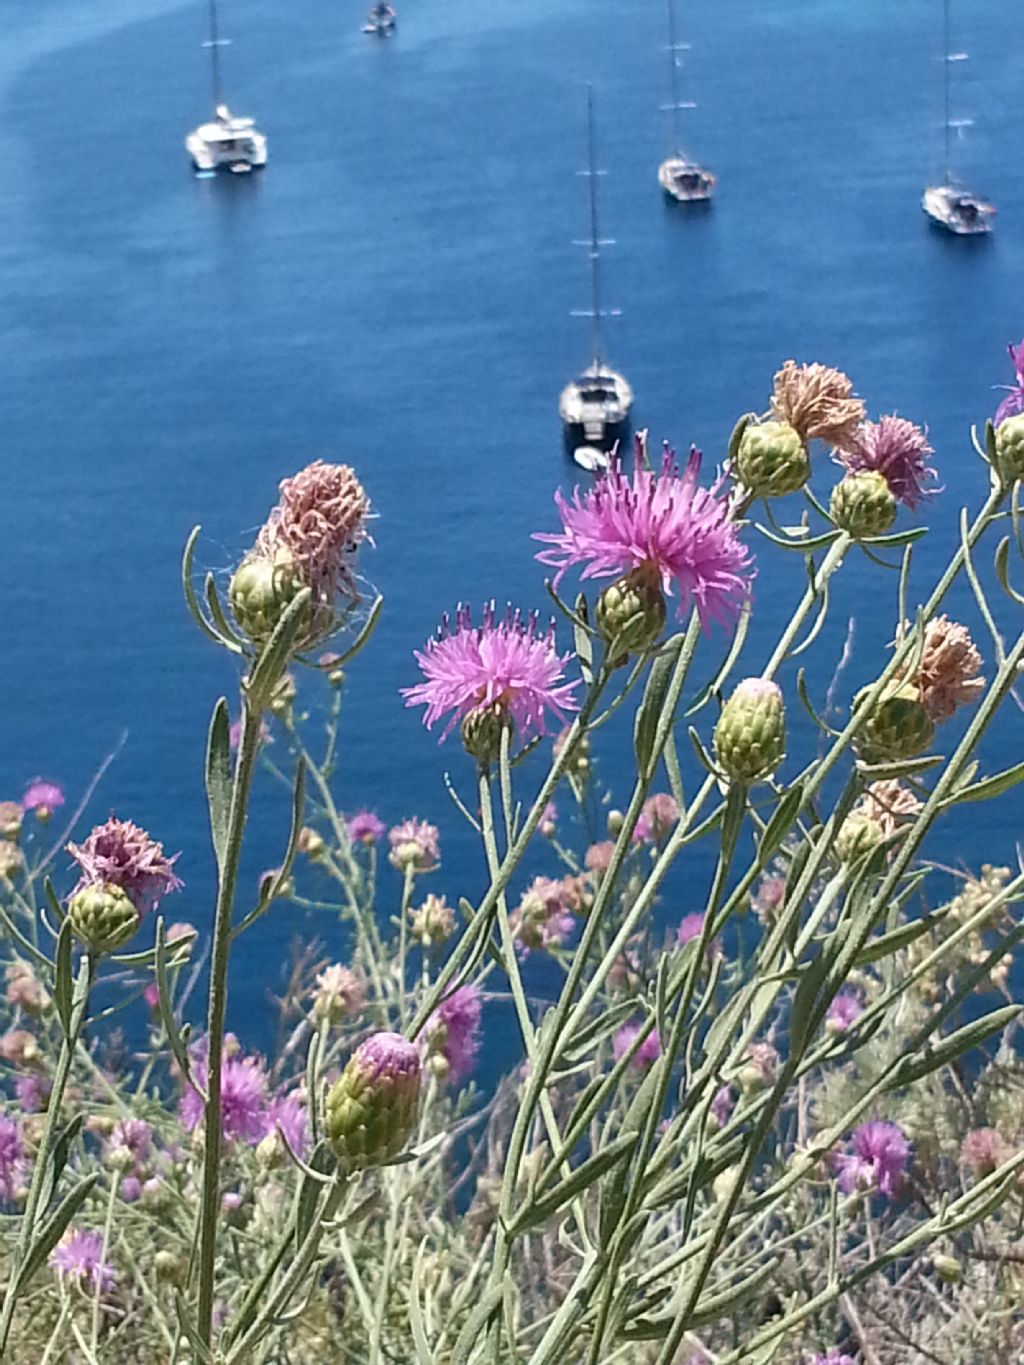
381,20
235,144
684,179
594,407
951,206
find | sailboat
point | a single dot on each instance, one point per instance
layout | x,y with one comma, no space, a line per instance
594,407
949,205
681,178
381,20
227,141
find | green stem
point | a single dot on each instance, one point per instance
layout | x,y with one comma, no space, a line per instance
209,1213
829,564
40,1170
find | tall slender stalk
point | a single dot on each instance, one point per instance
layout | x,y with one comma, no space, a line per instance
227,880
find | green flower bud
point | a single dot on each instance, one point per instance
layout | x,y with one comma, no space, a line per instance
371,1108
948,1268
897,726
863,504
858,835
772,459
750,737
1010,448
260,593
103,917
481,732
631,613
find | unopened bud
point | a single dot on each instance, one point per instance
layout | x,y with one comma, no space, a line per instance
750,737
371,1108
896,727
863,504
772,459
1010,448
631,613
103,917
482,730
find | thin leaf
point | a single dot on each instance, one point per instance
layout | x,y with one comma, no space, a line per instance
230,638
276,652
191,600
63,981
947,1049
218,777
780,824
170,1024
53,1230
877,948
187,1325
362,639
475,1325
59,1159
583,640
586,1174
988,787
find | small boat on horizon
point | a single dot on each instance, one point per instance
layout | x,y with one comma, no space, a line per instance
595,406
949,205
381,20
683,179
226,142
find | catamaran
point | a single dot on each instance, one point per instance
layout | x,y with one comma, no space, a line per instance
949,204
594,406
684,179
227,141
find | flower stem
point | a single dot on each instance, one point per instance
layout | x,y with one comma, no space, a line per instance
209,1214
83,985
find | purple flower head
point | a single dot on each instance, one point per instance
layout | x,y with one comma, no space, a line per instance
133,1135
722,1105
365,827
665,520
657,818
320,521
878,1161
123,854
1013,404
502,662
13,1166
646,1054
42,797
130,1189
79,1256
415,844
243,1096
834,1356
983,1150
288,1113
543,919
843,1012
896,449
388,1054
33,1093
690,927
235,733
459,1018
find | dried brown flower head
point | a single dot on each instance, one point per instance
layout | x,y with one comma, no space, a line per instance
888,804
320,521
948,675
817,401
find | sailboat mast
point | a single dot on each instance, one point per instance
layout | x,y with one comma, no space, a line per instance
595,240
214,46
946,59
673,80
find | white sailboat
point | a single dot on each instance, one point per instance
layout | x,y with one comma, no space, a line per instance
949,204
233,143
381,20
682,178
594,407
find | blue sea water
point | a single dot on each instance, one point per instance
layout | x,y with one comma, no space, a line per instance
395,291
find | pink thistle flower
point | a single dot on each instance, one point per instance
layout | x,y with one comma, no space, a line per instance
542,920
243,1097
983,1150
666,521
456,1023
878,1161
506,663
151,995
13,1165
235,733
843,1012
79,1256
33,1093
690,928
598,857
1013,403
416,844
135,1136
320,521
646,1054
722,1105
659,814
896,449
122,854
42,797
288,1113
834,1356
130,1189
365,827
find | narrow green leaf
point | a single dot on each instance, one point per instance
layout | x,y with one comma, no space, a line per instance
191,600
424,1353
988,787
809,1004
321,1161
954,1045
63,982
274,656
887,944
476,1324
361,640
188,1326
53,1230
737,435
170,1024
585,1175
218,777
780,824
583,641
650,708
58,1160
229,637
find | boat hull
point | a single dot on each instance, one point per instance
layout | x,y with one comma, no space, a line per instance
219,146
685,181
964,215
595,408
